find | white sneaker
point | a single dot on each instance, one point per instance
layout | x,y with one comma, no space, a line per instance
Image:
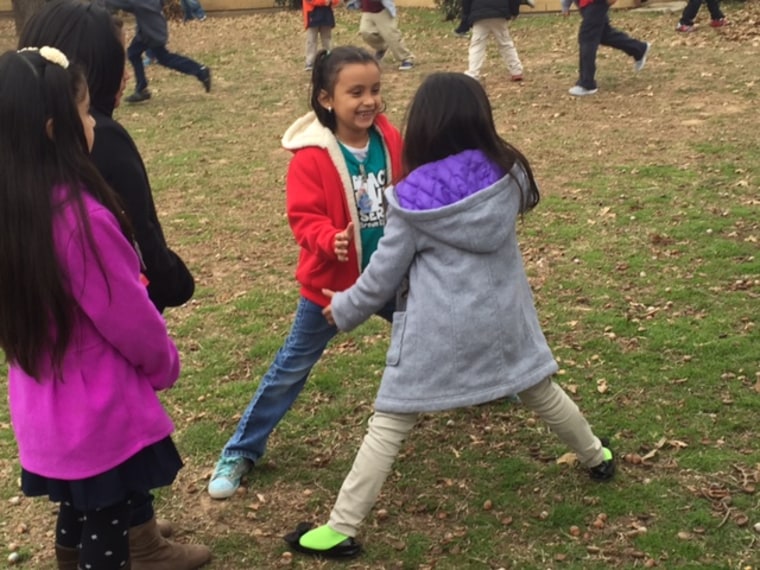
531,3
639,63
579,91
227,474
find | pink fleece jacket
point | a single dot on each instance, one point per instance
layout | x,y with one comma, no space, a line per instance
105,408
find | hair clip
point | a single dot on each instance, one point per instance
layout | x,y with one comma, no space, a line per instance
51,54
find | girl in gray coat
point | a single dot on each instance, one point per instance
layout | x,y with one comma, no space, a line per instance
466,331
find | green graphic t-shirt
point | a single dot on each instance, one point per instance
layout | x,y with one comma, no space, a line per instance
369,178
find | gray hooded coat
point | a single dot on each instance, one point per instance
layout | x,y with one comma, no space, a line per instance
469,332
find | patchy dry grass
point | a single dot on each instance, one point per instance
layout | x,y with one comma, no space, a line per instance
643,257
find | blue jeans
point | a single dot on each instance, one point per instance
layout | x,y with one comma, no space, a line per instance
171,60
284,380
192,10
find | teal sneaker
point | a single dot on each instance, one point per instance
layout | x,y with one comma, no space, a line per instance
227,474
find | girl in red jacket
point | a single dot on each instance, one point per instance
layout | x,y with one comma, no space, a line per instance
345,153
319,20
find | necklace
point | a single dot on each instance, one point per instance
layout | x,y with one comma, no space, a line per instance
362,144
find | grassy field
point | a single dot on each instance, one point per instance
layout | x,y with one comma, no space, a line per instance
643,256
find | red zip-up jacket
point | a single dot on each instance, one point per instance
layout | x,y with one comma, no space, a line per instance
320,203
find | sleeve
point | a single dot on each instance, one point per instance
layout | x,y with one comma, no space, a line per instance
110,293
379,282
308,207
170,282
390,5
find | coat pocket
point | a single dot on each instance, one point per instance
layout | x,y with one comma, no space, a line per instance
393,357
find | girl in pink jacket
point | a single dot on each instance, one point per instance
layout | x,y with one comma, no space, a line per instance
87,349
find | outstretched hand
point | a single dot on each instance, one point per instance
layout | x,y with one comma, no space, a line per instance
342,241
327,311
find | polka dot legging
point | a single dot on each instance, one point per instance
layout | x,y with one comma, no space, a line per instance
102,535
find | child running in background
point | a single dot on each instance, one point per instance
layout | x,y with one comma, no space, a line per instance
319,20
596,30
86,347
686,23
153,34
378,28
345,153
489,18
451,232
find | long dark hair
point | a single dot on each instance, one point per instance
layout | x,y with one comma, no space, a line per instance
35,306
450,113
90,36
324,76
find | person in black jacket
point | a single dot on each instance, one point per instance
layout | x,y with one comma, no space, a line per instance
489,17
170,283
94,39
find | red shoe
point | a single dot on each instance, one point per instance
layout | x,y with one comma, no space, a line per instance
719,23
685,28
517,77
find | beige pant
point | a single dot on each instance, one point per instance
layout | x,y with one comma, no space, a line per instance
387,432
380,32
325,34
496,27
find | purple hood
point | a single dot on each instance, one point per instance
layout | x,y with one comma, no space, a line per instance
447,181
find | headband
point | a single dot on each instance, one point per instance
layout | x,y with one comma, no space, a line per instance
51,54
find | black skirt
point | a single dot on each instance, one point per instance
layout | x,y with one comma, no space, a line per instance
154,466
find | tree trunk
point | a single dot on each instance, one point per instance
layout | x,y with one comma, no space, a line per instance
22,10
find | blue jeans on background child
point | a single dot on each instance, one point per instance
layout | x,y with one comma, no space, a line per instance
193,10
164,57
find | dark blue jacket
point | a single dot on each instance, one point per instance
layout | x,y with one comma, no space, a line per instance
151,23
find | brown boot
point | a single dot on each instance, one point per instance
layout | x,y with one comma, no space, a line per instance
67,558
150,551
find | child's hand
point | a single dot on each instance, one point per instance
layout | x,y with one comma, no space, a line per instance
327,311
342,241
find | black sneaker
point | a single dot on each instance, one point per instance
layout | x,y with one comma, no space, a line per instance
204,75
138,96
605,471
